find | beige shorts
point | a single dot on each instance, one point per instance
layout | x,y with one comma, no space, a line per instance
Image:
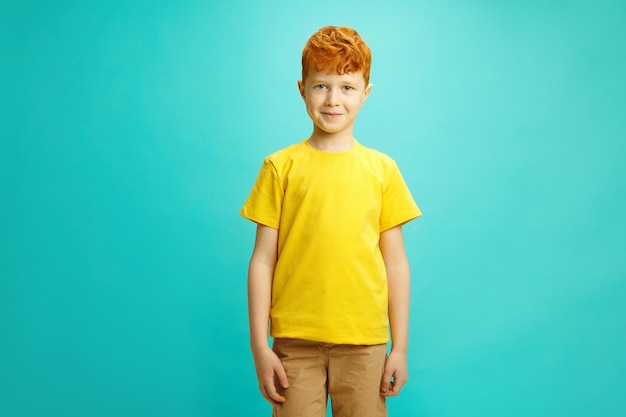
349,374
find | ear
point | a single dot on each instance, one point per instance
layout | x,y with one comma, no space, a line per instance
301,88
366,92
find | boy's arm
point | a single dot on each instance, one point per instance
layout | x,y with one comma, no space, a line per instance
399,283
260,275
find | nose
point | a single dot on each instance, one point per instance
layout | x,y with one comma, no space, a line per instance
332,97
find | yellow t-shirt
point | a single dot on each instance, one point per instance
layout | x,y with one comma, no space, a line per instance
330,283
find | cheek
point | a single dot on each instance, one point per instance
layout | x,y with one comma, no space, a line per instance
312,103
310,108
356,104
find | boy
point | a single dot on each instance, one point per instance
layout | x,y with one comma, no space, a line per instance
329,269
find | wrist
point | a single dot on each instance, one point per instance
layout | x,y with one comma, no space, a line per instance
259,346
399,348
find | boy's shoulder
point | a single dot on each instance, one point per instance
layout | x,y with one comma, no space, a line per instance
285,153
376,154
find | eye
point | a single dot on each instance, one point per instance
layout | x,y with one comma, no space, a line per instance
348,88
320,86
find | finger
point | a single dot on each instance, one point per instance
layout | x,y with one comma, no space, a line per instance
385,387
397,386
273,393
386,384
265,396
273,398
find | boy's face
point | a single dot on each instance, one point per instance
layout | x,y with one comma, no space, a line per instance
333,100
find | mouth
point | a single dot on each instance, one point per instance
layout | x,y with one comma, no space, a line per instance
331,115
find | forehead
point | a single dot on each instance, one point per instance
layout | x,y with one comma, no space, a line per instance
332,76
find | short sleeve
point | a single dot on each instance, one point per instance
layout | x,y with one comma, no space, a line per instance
398,206
264,203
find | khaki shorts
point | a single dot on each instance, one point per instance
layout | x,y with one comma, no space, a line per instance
349,374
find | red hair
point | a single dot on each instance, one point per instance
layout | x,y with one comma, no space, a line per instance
338,49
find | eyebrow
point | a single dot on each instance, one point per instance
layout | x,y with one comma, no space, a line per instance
342,82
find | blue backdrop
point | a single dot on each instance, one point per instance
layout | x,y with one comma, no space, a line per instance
131,133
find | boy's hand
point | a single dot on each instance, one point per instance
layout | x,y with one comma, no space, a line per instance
395,374
268,369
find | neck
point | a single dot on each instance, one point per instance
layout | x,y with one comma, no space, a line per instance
332,143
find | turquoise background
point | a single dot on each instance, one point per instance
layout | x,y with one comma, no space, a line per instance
131,134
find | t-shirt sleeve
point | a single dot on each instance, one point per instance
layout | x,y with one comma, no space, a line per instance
398,206
264,203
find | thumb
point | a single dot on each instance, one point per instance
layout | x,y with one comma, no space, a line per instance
385,385
282,376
